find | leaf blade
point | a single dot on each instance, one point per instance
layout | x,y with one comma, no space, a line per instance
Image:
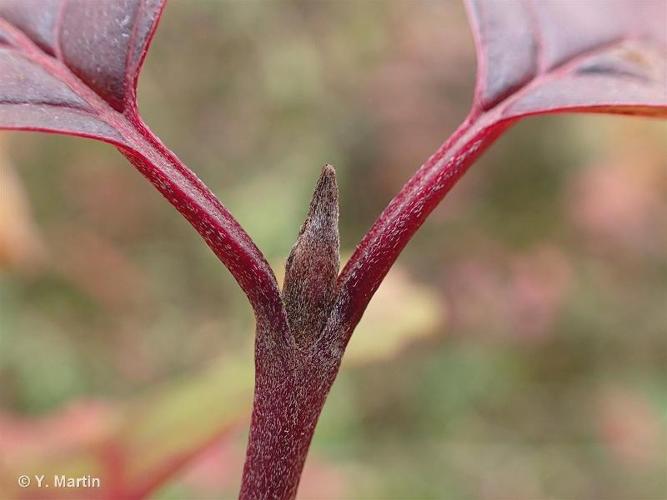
103,43
550,56
69,66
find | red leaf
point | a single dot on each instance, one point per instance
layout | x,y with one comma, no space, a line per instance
67,66
71,66
544,56
534,57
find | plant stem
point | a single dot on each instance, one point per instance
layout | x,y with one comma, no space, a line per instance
292,379
223,234
175,181
290,391
404,215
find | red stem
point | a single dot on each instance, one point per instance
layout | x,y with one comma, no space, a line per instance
176,182
404,215
221,232
290,391
291,383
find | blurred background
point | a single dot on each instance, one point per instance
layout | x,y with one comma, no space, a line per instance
518,350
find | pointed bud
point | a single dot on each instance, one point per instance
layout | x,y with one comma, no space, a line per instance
312,266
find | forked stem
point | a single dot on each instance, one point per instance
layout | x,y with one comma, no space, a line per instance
221,232
400,220
293,379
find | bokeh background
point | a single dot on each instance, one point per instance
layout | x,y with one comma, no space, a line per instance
518,350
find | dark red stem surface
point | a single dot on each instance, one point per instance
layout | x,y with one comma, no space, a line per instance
399,221
290,391
292,382
223,234
526,67
176,182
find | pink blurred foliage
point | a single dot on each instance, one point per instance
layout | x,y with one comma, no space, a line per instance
87,260
205,476
40,445
619,204
112,200
407,90
89,435
539,284
632,429
519,295
77,425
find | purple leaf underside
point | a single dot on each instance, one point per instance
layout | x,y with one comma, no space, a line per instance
534,57
545,56
72,66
